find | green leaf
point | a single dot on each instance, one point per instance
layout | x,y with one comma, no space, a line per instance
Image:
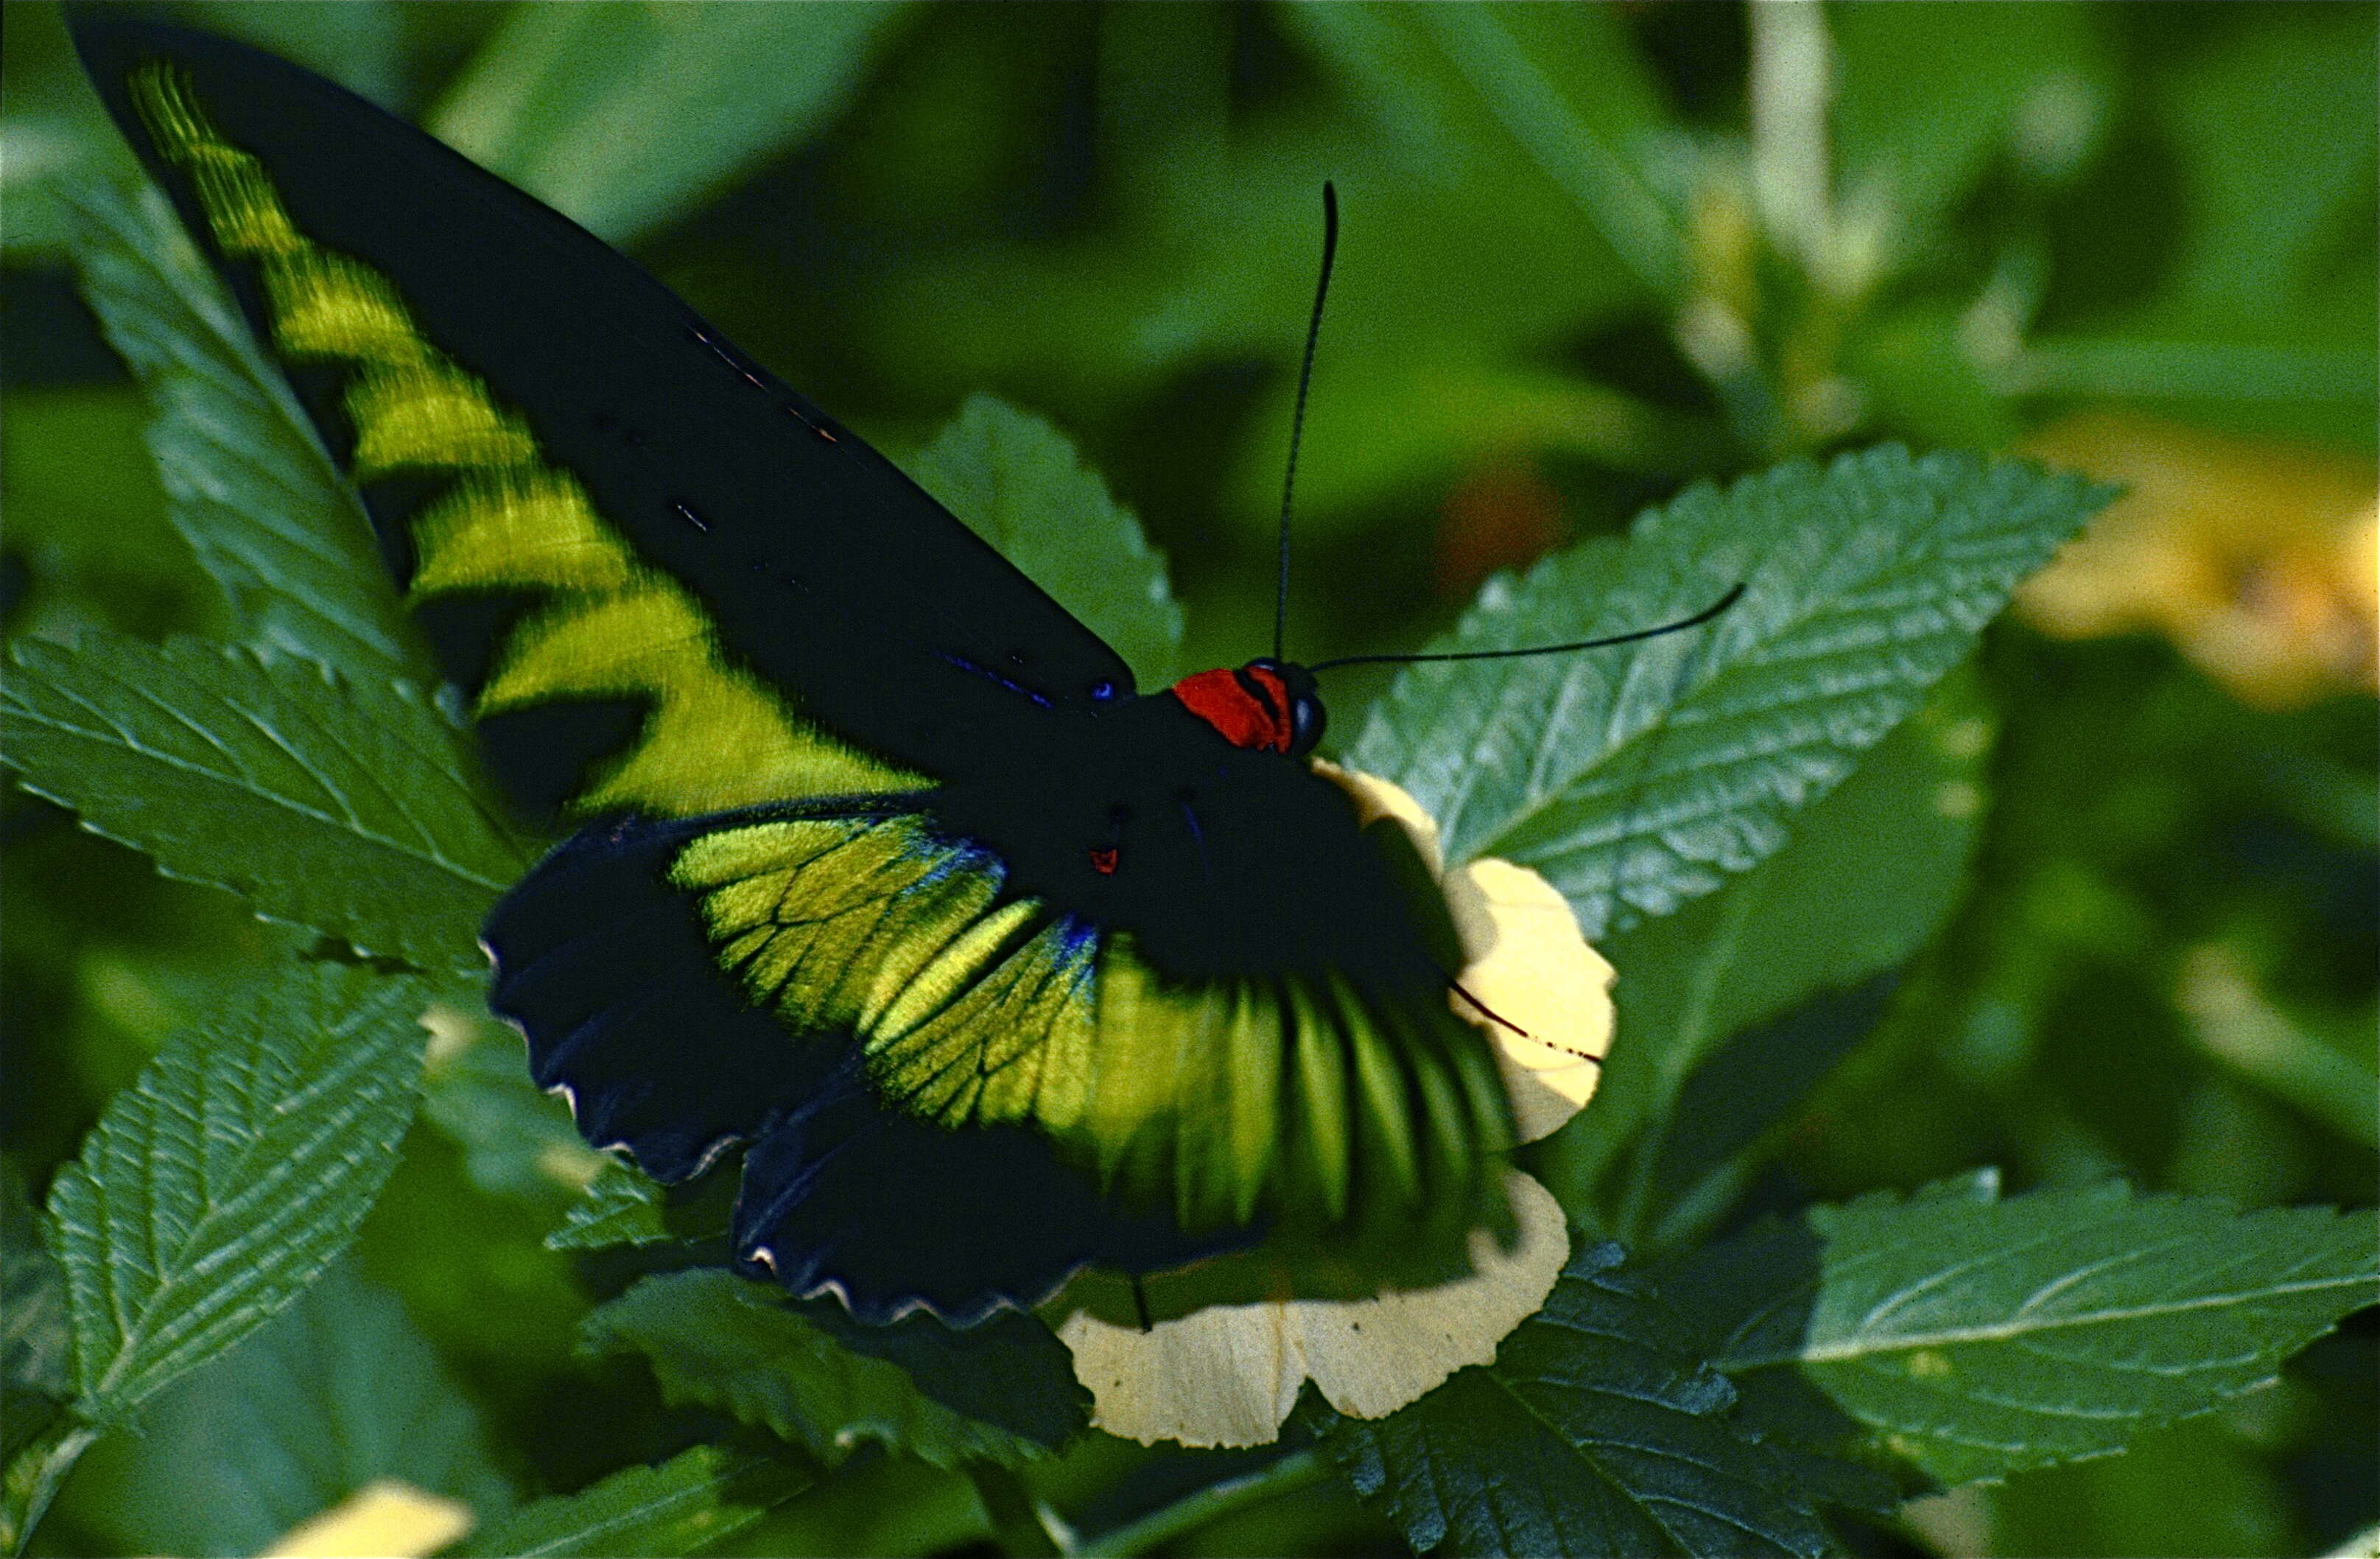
252,490
39,1441
336,1390
361,45
1638,777
1533,66
1978,1337
1689,1171
626,118
1870,873
1558,88
2276,131
331,803
1871,870
518,1140
620,1207
2197,1487
34,1341
693,1500
233,1170
727,1342
1019,484
1926,99
34,1473
1591,1433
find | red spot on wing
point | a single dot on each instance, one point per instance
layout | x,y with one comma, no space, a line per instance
1103,860
1249,707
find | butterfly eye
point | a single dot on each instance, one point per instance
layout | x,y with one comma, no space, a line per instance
1308,722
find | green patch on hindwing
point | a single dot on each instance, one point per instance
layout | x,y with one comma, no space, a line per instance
1213,1101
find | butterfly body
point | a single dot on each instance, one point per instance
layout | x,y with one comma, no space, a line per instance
885,868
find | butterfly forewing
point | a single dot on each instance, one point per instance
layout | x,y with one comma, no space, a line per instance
531,414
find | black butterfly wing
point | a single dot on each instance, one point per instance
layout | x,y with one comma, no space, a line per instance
864,774
612,969
561,453
1012,1062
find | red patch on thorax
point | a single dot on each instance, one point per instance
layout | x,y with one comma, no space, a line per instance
1224,699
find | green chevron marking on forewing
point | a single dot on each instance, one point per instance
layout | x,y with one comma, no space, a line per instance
609,626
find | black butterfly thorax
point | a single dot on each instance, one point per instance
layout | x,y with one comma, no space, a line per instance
1220,860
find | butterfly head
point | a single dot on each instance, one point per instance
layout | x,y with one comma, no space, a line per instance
1265,705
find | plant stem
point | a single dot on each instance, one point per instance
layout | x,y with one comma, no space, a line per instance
1788,93
34,1477
1297,1470
1605,182
1689,1044
1020,1524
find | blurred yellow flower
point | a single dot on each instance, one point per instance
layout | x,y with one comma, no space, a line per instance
385,1517
1229,1374
2260,559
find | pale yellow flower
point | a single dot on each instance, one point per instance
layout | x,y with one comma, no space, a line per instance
2255,556
1229,1374
385,1517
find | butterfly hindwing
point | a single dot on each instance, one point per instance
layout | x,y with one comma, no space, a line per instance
1303,1072
607,965
534,419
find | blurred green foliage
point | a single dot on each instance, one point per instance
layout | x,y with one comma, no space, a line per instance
1591,253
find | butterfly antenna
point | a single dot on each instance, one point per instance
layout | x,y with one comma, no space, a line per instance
1298,418
1705,615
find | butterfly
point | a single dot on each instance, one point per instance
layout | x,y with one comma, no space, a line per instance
992,964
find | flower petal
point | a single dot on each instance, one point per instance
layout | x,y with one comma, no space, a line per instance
1371,1357
384,1516
1229,1374
1530,967
1225,1375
